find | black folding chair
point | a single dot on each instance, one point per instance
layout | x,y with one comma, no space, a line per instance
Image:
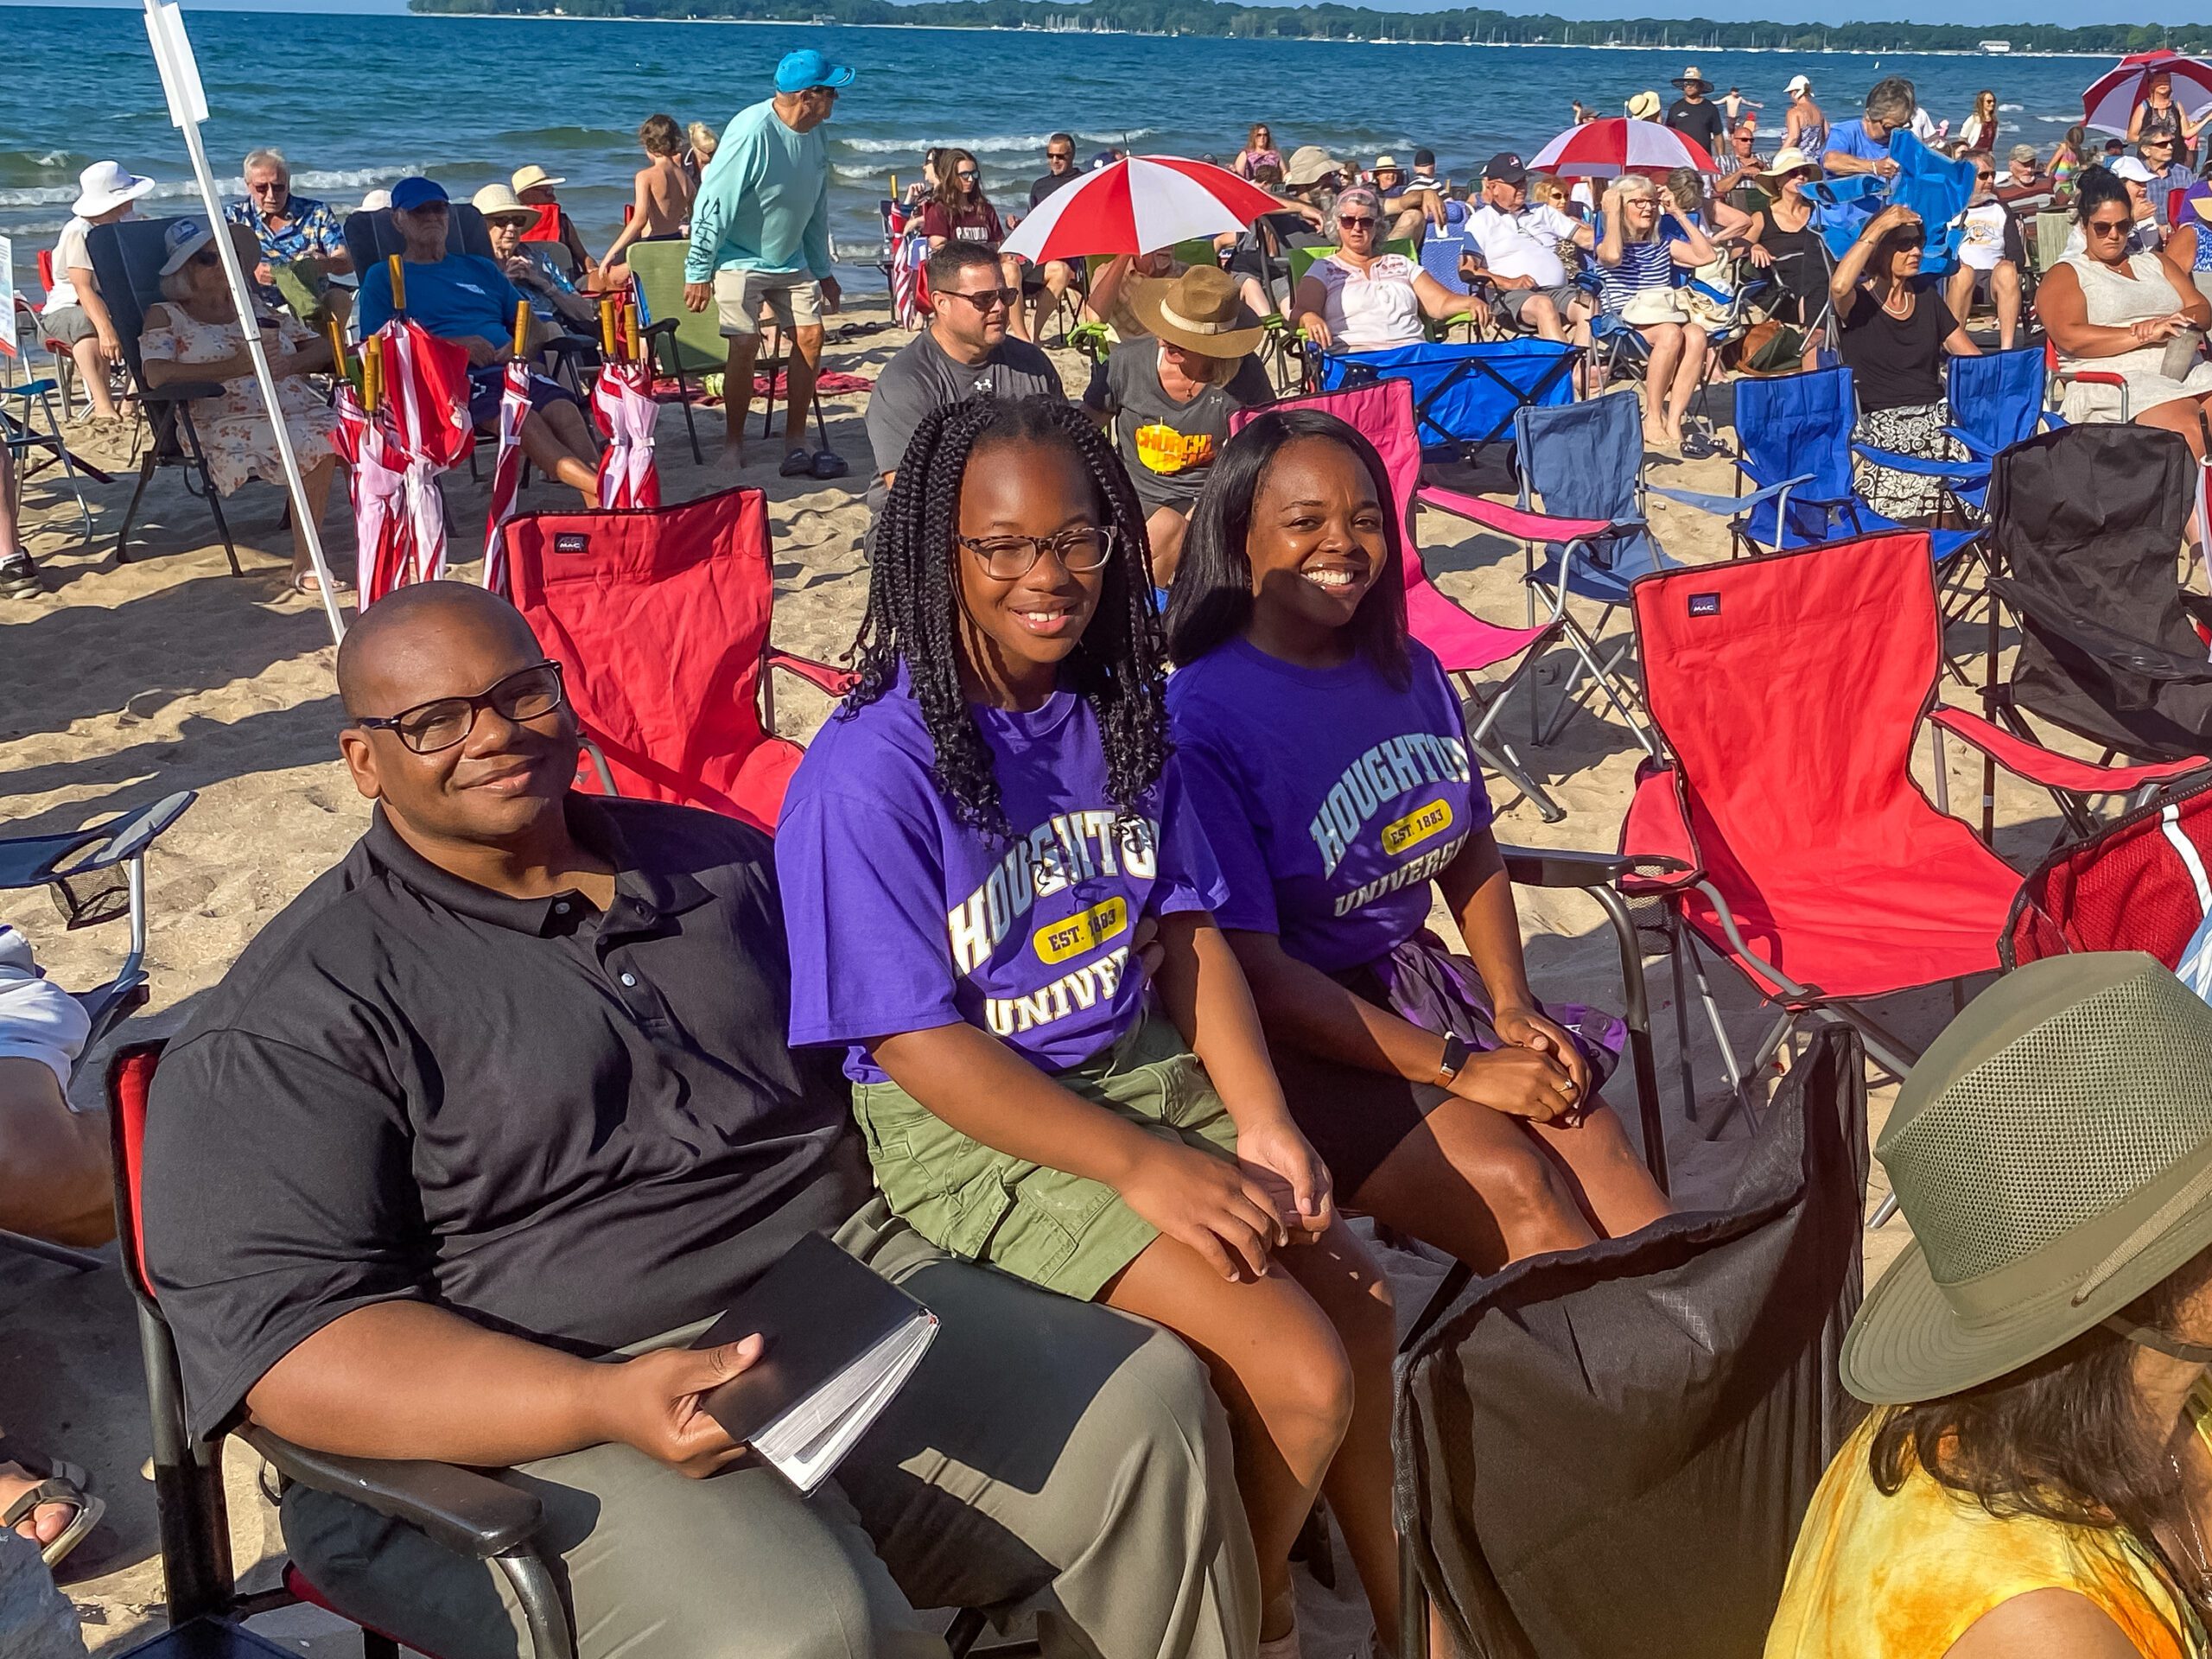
127,259
97,875
1647,1415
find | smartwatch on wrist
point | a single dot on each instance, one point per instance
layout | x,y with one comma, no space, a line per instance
1453,1062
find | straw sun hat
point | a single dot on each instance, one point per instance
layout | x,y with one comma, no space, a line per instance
498,201
1199,311
2053,1151
1787,161
1645,106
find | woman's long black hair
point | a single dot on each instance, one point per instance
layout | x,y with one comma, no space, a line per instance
2065,1439
1212,601
913,603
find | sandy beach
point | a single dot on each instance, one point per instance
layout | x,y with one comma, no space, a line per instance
123,682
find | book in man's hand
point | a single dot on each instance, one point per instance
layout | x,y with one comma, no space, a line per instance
839,1341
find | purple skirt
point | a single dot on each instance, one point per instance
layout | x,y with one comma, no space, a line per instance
1427,985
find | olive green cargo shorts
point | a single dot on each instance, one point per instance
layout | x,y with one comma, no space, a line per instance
1056,1229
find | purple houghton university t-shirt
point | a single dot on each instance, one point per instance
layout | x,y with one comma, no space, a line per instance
1330,799
903,919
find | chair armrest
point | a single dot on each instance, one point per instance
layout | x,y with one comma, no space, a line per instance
1964,472
824,676
467,1512
2051,769
180,391
568,346
1508,520
1729,506
1545,867
129,836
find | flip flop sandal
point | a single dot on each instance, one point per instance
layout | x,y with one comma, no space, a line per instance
797,464
300,579
826,464
62,1483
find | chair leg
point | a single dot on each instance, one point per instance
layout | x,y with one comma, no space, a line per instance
1678,945
198,459
543,1610
964,1632
68,461
145,476
1498,754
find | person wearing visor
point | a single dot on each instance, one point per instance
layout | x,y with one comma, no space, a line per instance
760,239
2035,1477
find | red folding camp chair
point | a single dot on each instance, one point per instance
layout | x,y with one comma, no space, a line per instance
2140,883
1789,690
1382,411
659,618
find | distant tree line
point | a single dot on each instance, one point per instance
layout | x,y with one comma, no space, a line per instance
1222,18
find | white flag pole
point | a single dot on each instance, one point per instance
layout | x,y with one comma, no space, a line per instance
187,109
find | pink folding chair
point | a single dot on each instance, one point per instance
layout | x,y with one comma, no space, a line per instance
1382,411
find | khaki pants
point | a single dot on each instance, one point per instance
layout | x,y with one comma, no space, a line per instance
1048,1457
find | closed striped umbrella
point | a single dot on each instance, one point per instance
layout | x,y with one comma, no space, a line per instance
1140,204
506,473
1608,148
622,405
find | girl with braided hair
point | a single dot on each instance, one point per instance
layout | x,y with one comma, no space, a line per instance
998,900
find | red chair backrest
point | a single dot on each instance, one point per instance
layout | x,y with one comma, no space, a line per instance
658,618
1790,687
2133,885
129,1082
46,269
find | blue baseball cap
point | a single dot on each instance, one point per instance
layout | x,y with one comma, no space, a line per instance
808,67
410,194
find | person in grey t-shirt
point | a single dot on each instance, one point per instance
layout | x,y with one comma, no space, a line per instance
964,352
1170,396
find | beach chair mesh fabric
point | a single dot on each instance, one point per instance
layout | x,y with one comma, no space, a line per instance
1996,398
1788,688
2085,522
1607,1451
659,618
1799,426
2140,883
1583,460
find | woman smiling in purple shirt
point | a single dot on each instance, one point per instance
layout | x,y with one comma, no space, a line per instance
971,857
1328,760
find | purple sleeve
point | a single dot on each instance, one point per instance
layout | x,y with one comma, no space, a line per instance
1210,795
862,887
1187,878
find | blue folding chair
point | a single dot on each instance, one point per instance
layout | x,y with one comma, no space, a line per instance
1439,258
1465,397
1585,461
1997,401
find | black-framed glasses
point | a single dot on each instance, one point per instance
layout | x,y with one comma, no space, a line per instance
985,300
527,694
967,175
1005,558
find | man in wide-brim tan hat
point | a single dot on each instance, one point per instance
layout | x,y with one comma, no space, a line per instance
2036,1479
533,188
1170,392
1695,115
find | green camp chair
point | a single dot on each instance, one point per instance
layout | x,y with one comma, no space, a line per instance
689,345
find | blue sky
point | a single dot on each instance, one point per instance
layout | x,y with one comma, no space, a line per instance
1992,14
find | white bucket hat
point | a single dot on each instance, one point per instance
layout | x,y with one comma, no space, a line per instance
105,186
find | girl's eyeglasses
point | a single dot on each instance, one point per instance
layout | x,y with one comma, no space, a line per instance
1005,558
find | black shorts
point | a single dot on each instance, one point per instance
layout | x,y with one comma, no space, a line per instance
487,385
1354,1117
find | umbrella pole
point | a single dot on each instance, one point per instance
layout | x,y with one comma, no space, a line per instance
187,109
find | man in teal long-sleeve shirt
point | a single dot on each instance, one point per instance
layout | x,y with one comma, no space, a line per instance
761,235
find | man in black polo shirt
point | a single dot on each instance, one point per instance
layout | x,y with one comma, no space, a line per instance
506,1095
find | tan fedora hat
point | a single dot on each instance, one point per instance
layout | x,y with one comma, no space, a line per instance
1645,106
498,201
533,176
1198,311
1787,161
2053,1152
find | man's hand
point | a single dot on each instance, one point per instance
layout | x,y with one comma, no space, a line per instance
1887,168
482,353
696,295
111,347
1513,282
832,294
265,275
655,1403
1225,1215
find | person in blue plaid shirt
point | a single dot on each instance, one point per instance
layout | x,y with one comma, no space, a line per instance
296,231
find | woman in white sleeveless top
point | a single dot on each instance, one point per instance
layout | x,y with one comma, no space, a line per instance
2115,312
1358,299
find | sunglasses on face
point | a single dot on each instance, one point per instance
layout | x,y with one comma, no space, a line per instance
1008,558
206,256
2108,227
986,300
967,175
527,694
1356,224
1059,154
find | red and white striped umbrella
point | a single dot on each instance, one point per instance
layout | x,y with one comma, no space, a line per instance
622,406
1140,205
2111,101
1607,148
507,474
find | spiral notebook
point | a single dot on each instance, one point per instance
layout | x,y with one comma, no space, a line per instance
841,1341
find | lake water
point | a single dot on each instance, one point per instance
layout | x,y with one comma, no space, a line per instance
358,101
